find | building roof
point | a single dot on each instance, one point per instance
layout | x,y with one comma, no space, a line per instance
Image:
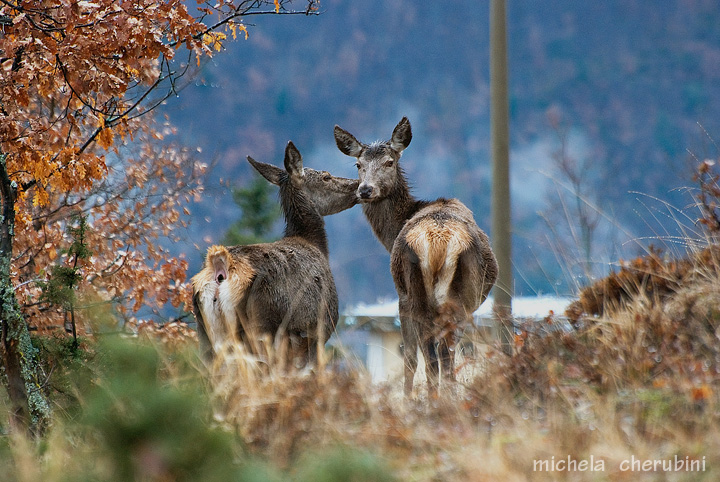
534,307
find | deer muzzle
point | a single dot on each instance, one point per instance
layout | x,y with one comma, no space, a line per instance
365,192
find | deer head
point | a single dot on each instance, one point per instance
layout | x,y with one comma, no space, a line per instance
378,166
329,193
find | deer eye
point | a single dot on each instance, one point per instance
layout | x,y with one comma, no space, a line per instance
389,163
326,176
357,164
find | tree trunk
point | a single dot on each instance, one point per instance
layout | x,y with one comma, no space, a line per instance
30,408
500,139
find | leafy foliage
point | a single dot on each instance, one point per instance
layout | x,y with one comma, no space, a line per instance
259,214
60,288
79,83
345,464
68,365
78,80
148,429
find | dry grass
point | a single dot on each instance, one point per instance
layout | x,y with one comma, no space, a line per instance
638,378
641,382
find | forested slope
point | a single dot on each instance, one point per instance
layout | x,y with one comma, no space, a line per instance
626,83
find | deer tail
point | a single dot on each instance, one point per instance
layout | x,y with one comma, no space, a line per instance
438,246
218,288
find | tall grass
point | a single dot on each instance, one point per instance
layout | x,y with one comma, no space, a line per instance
638,382
636,379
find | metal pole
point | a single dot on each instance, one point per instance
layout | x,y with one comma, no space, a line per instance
500,139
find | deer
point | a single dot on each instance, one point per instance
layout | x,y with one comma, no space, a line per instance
441,262
283,289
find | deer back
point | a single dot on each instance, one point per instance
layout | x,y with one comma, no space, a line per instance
285,286
452,254
292,290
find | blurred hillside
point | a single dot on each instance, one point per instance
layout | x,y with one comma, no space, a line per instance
623,83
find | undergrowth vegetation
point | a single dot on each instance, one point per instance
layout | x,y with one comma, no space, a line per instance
639,382
633,379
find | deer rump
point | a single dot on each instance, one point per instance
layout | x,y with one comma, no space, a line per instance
438,260
277,289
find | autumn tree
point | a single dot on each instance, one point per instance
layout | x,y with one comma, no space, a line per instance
78,81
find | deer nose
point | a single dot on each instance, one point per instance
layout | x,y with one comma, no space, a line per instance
365,191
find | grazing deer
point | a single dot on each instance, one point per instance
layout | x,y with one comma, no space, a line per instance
440,260
281,289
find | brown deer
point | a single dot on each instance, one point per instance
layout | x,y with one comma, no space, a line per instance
440,259
282,289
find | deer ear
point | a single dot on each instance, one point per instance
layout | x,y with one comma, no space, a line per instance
268,171
402,135
293,161
347,143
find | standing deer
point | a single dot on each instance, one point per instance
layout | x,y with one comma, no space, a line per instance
440,259
281,289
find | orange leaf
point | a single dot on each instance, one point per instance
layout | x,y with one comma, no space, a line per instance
701,393
106,138
41,197
243,29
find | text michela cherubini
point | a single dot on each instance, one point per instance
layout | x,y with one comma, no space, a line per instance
633,464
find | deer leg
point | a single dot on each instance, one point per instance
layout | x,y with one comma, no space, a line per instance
311,352
300,351
447,360
432,372
410,347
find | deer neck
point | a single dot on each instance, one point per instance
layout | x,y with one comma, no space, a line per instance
388,215
302,218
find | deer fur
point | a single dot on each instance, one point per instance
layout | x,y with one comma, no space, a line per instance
440,260
283,289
